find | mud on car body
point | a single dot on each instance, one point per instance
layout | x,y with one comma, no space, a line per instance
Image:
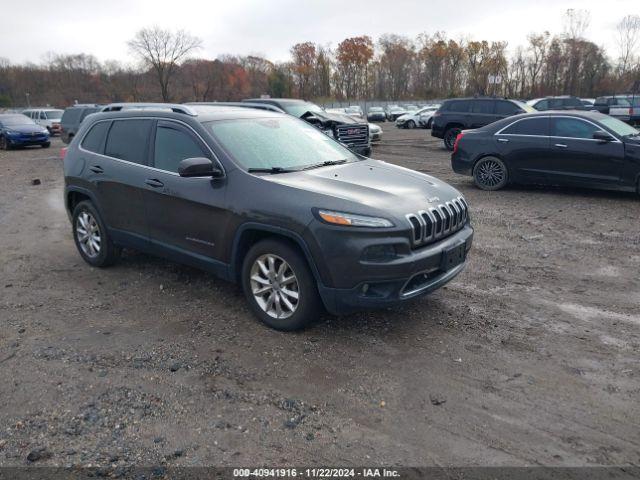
266,200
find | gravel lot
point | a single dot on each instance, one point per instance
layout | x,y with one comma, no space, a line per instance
529,357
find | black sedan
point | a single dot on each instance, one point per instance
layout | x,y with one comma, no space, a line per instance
586,149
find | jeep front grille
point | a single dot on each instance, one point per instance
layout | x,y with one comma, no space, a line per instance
438,222
353,135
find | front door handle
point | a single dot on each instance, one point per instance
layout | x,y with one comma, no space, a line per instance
503,140
561,145
154,182
96,169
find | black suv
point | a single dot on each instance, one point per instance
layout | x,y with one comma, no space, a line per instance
459,114
266,200
72,118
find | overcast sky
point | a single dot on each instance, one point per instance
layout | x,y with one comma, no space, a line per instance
271,27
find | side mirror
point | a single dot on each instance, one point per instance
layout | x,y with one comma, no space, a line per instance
198,167
602,136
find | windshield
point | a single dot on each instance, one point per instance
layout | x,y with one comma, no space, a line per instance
299,109
278,142
15,120
54,114
376,109
618,126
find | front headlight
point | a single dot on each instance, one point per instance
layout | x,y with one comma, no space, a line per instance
353,220
11,133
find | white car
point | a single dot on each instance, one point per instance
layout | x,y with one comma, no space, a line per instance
375,132
420,118
48,118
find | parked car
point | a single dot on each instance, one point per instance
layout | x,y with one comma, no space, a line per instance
72,118
354,111
394,112
18,130
418,118
586,149
459,114
266,200
48,118
342,127
410,108
564,102
588,103
376,114
375,132
625,107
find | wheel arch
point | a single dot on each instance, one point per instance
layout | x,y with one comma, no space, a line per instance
74,195
499,157
251,233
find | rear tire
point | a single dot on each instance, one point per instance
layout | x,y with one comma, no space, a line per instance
46,145
279,286
490,173
91,237
450,137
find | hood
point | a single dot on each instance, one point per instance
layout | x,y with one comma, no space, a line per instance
370,185
326,117
405,116
26,128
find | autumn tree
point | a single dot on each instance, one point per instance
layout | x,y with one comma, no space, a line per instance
304,61
162,51
352,60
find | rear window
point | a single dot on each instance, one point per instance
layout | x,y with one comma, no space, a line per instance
459,106
93,141
128,140
71,115
529,126
572,102
482,106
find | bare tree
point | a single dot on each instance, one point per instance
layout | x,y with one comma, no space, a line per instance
576,23
628,38
162,51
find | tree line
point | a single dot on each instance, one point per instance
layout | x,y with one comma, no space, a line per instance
394,67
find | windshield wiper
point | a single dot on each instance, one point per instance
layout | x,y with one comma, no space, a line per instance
271,170
326,164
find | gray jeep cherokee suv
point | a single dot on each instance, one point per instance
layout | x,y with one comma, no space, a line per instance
266,200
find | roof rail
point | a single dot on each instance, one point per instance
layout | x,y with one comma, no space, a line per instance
174,107
242,104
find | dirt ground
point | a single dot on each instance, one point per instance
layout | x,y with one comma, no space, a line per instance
530,357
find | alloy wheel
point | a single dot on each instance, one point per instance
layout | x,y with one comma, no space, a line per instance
275,286
490,173
88,234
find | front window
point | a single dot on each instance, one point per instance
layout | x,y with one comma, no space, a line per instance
619,127
572,128
54,114
277,142
299,109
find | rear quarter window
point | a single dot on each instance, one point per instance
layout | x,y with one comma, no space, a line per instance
93,141
507,108
529,126
459,106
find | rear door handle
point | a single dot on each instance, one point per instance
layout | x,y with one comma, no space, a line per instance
96,169
560,145
154,182
503,140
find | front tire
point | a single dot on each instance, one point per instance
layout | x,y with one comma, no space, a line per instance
490,173
450,137
4,144
91,237
279,286
46,145
429,123
411,124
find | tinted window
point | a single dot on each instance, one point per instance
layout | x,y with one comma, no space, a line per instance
172,146
529,126
71,115
507,108
482,106
459,106
573,128
128,140
572,102
94,140
542,105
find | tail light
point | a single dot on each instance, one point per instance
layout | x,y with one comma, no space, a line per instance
630,111
63,152
458,138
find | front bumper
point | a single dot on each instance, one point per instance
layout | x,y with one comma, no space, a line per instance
26,140
422,272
